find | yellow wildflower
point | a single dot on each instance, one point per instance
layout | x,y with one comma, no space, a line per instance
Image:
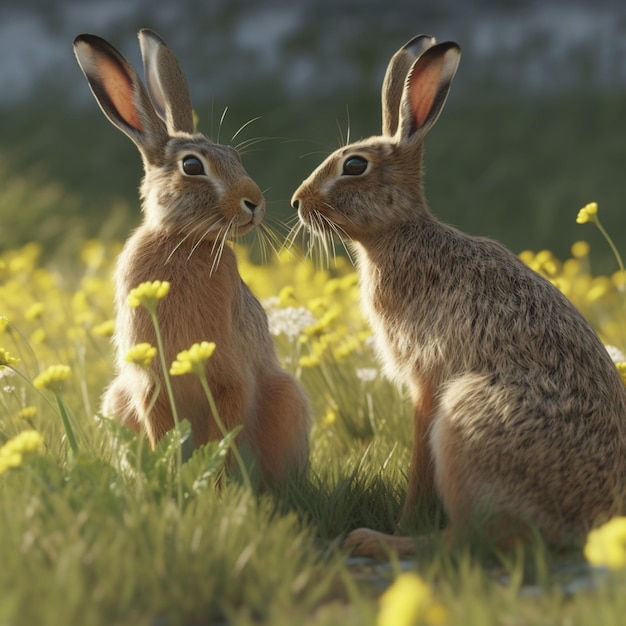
34,311
38,336
309,360
410,601
192,360
27,413
587,213
7,359
347,347
105,329
606,545
619,279
621,368
324,323
4,322
148,294
53,378
12,452
93,253
287,296
141,354
330,417
580,249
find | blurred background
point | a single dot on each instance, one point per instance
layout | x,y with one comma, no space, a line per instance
534,128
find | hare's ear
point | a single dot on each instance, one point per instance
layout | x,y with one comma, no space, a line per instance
395,79
426,90
119,92
166,83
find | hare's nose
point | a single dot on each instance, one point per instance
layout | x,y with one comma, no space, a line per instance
248,205
295,203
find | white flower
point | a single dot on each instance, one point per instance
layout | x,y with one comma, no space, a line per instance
617,356
289,321
367,374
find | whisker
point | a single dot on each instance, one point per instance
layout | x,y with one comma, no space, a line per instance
223,239
290,239
211,226
177,246
341,141
191,228
244,146
241,128
219,128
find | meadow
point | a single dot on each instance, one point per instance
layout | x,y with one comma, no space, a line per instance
98,529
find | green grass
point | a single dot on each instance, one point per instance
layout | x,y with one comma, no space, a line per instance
100,536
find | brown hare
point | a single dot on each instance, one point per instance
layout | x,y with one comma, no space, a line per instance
519,413
195,195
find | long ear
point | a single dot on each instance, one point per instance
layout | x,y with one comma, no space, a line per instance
426,90
395,79
166,83
119,92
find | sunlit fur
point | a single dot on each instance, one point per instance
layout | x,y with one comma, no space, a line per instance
188,220
518,409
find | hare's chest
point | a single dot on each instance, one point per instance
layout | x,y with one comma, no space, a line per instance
394,340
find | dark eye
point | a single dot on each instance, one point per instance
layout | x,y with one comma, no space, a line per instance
192,165
354,166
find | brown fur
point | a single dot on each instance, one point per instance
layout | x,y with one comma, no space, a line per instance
187,220
518,408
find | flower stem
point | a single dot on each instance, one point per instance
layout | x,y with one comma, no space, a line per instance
170,394
606,235
218,420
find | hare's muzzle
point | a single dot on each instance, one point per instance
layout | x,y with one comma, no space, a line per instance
255,210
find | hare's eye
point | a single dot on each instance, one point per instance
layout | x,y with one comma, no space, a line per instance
192,166
354,166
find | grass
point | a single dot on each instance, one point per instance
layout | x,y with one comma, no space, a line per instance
94,529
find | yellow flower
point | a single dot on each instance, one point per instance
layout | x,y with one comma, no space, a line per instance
409,601
192,360
6,358
587,213
105,329
330,417
27,413
621,368
53,378
606,545
34,311
580,249
310,360
4,322
93,253
619,279
39,336
148,294
141,354
9,460
12,452
287,296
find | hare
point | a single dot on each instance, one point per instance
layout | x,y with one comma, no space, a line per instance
195,195
519,413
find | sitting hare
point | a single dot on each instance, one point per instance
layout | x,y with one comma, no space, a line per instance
195,195
519,413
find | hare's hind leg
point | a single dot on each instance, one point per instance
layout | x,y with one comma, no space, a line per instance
281,439
480,474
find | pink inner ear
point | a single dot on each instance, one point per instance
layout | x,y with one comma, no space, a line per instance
120,91
423,88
